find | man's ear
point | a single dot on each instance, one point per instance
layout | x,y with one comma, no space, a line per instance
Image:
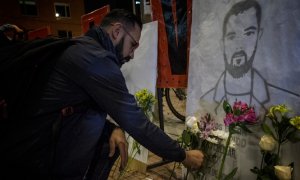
116,30
260,33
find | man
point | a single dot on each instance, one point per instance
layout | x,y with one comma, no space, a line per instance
240,81
87,85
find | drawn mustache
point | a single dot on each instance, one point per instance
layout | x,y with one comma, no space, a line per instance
239,54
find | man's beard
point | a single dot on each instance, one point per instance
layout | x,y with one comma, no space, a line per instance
119,52
238,71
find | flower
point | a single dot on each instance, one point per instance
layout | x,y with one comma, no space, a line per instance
145,100
220,134
236,116
283,172
281,129
190,121
267,143
239,113
206,126
295,122
201,133
277,111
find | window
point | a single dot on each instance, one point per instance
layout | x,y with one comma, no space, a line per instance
28,7
62,10
64,34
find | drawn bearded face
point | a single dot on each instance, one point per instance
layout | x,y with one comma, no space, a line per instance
240,42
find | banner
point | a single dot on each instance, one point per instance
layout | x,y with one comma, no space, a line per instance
140,72
174,22
42,32
249,54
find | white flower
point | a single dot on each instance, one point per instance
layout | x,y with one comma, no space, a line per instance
267,143
195,128
283,172
232,144
212,140
220,134
190,121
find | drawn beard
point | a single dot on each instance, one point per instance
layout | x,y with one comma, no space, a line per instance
119,51
239,64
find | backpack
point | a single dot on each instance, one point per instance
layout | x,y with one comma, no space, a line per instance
25,67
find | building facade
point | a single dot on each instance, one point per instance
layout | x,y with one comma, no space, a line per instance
63,17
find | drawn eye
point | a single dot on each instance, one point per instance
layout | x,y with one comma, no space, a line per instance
249,33
230,37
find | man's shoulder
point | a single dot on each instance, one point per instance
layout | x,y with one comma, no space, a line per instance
87,49
217,92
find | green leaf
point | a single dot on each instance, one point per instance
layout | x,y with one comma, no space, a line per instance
231,174
268,130
186,138
271,159
227,107
255,170
294,136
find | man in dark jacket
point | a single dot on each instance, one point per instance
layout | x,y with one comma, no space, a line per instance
87,78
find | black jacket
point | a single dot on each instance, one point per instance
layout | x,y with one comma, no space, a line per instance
89,72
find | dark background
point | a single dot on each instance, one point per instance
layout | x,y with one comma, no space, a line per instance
91,5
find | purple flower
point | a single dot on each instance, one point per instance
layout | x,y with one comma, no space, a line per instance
206,126
229,118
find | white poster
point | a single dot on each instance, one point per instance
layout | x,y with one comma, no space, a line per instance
141,72
248,52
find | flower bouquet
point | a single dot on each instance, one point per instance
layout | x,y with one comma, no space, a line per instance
145,100
202,134
236,119
279,128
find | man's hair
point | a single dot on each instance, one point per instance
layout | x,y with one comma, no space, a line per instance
240,7
120,15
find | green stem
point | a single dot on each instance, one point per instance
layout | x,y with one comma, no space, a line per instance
132,156
173,171
224,156
279,146
187,173
262,160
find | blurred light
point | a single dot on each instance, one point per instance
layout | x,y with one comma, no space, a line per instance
137,2
56,15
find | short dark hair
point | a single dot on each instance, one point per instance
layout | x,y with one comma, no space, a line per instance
241,7
121,15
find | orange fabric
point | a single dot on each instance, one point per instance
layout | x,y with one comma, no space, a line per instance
165,78
39,33
94,17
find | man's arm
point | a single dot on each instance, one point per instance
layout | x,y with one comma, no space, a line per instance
102,79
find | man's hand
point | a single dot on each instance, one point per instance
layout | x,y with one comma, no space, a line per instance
117,139
193,159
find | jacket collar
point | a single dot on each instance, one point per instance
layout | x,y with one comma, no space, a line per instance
102,37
